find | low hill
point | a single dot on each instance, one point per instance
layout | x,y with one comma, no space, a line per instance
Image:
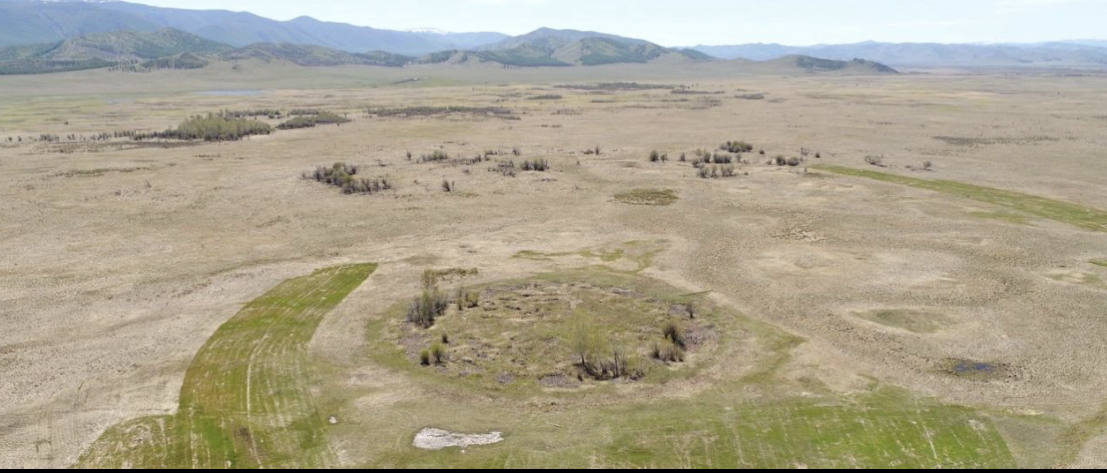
552,39
550,47
1086,53
813,65
108,49
314,56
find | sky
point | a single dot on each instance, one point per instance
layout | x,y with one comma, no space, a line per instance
693,22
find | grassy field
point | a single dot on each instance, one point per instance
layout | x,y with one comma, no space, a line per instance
876,430
245,402
1064,212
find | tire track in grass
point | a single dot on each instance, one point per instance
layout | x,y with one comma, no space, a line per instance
1057,210
245,401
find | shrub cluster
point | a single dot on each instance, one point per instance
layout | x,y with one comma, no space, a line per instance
425,111
737,147
505,168
658,157
599,359
212,127
672,348
436,355
346,177
715,172
537,165
780,160
311,121
467,299
271,114
427,307
436,156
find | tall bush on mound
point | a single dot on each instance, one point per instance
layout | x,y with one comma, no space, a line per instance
597,357
212,127
427,307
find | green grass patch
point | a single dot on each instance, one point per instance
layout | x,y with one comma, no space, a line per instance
1099,262
733,428
246,400
910,320
1076,277
652,197
1060,211
1012,218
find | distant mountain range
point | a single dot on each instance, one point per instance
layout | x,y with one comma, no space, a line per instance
59,35
175,49
36,21
1074,53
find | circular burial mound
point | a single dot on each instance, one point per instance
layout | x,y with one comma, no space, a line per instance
563,331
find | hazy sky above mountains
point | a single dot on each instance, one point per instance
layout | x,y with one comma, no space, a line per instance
691,22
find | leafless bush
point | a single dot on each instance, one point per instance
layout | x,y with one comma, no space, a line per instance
537,165
347,177
874,160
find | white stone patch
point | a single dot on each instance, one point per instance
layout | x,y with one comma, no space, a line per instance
438,439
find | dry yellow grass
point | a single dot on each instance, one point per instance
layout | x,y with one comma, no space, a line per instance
121,261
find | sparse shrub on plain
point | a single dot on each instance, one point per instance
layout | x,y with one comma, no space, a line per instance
271,114
667,352
448,186
438,354
425,358
426,111
430,304
536,165
658,157
467,299
673,331
874,160
505,168
435,156
347,177
714,172
736,147
722,159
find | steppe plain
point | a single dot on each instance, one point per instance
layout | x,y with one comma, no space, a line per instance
860,319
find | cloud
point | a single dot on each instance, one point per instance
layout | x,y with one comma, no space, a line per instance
1023,6
504,3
